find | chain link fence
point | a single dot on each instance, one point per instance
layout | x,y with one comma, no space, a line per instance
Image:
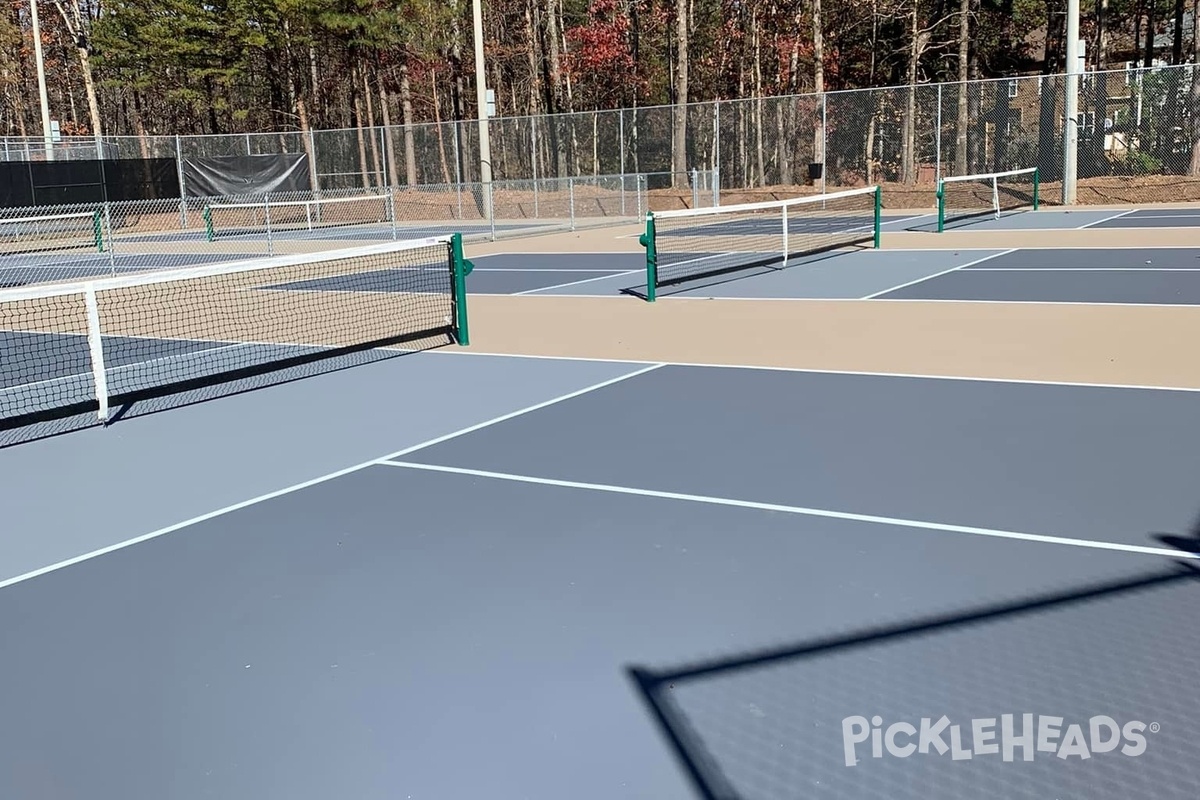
1138,132
40,244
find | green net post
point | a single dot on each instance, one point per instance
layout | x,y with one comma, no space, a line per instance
647,241
98,230
941,206
462,268
208,223
1036,188
878,214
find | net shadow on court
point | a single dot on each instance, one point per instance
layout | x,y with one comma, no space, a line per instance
735,267
700,708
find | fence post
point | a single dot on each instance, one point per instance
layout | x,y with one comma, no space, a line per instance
716,152
270,239
248,152
489,193
533,162
824,145
571,195
458,171
183,220
315,177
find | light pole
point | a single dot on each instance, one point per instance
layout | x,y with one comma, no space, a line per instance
1071,106
485,147
41,75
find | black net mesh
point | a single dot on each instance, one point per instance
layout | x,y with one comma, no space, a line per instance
989,195
706,242
181,336
257,219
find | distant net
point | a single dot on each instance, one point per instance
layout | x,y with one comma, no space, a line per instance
129,344
986,195
83,230
698,243
224,220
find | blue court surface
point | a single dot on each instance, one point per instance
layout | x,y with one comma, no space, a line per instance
464,576
1153,276
1058,218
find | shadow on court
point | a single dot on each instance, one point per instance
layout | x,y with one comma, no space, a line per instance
758,724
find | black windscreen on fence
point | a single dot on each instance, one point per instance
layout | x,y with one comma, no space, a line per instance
75,182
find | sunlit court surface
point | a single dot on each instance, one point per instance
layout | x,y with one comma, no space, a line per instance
913,516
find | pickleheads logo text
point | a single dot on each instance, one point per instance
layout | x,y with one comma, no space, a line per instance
1010,737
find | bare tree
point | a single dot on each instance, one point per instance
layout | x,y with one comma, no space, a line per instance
819,83
1195,92
679,133
77,27
962,120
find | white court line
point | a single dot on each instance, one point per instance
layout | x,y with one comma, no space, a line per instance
541,269
825,513
576,283
1087,269
905,219
1106,219
943,272
1168,216
1120,304
526,253
322,479
812,371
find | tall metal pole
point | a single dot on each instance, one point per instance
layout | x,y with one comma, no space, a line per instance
41,76
485,147
1071,105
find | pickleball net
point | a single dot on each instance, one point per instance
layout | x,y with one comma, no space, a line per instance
31,233
224,220
88,352
990,194
697,243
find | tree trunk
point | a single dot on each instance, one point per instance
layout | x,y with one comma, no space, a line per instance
370,130
758,100
389,138
139,127
908,172
961,118
554,89
406,114
357,111
73,20
309,151
1177,45
1149,56
1195,91
437,120
679,134
818,82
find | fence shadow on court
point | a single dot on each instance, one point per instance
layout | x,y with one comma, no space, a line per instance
710,776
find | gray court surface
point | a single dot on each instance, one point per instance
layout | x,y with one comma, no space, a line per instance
431,577
1154,218
1075,275
1078,275
19,270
